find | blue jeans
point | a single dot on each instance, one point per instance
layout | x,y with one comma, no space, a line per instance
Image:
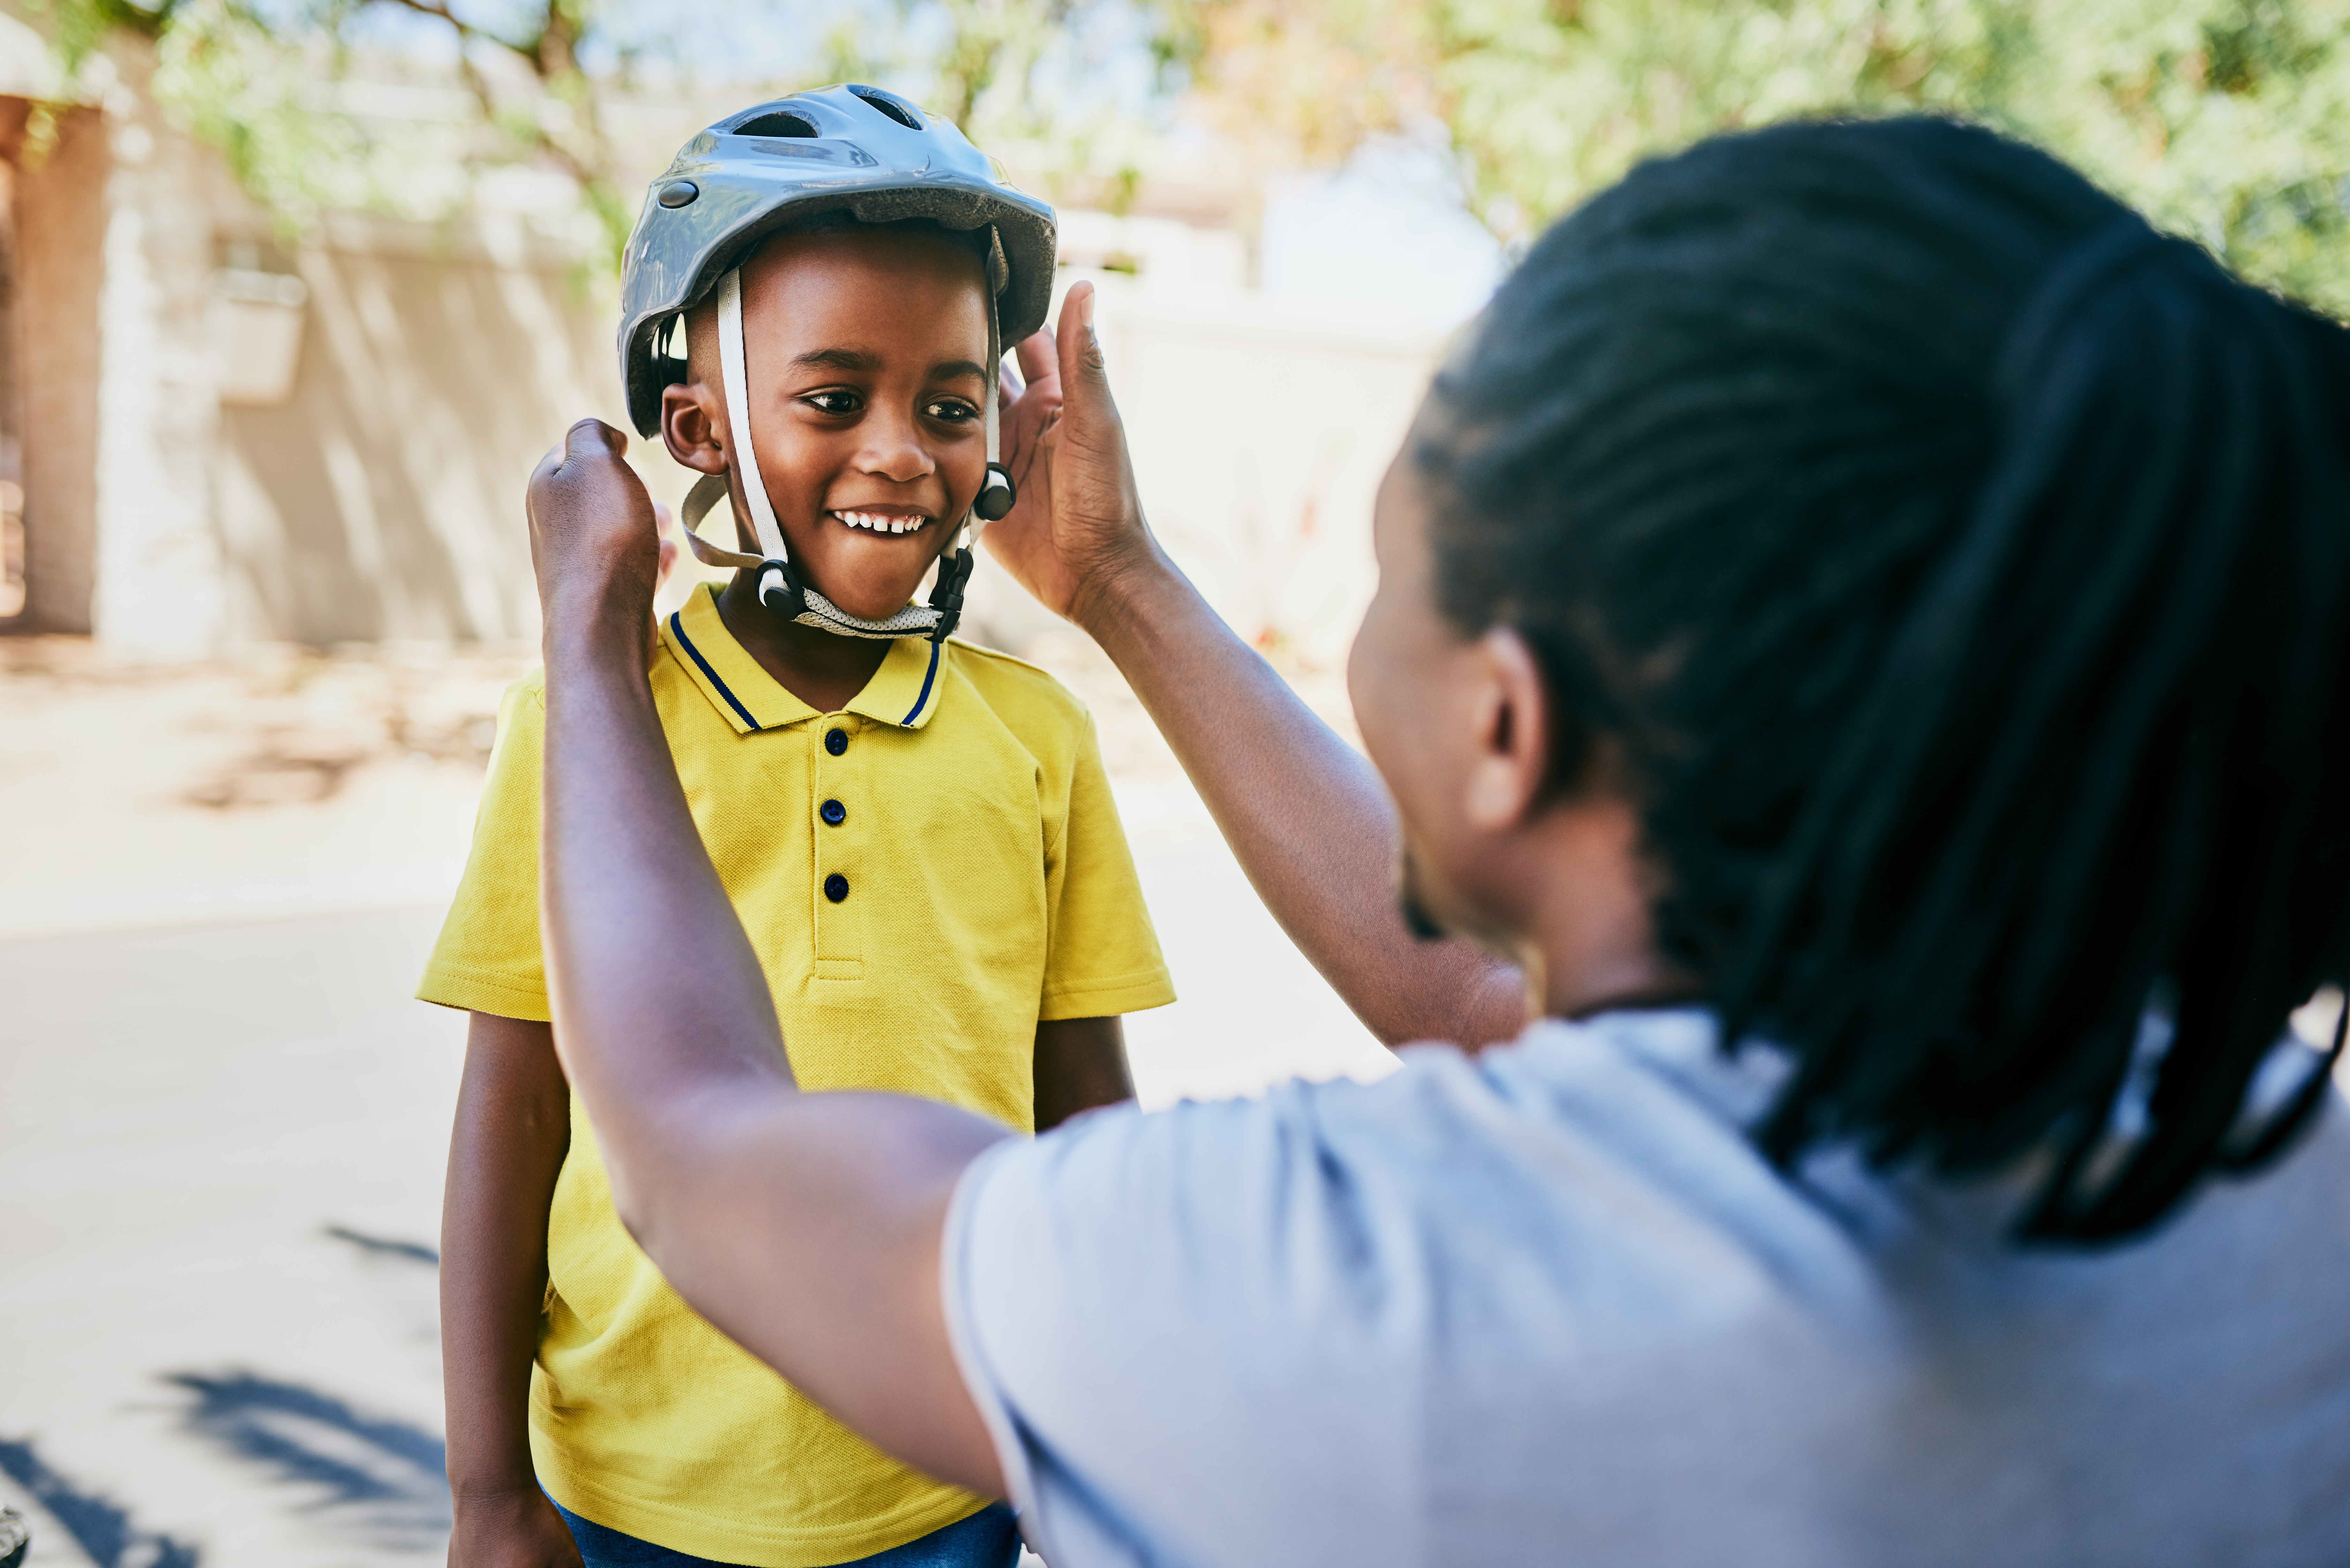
988,1538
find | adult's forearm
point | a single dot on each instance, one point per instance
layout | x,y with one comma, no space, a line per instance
630,900
1305,813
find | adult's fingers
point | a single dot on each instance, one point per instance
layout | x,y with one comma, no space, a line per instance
1036,354
591,436
1083,377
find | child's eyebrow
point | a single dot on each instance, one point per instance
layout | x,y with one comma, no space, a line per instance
856,361
838,360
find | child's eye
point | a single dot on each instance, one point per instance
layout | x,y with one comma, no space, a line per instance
954,410
834,402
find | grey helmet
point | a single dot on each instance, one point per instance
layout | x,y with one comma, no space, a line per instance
849,149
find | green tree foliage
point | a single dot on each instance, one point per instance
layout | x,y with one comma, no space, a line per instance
306,134
316,113
1075,90
2227,121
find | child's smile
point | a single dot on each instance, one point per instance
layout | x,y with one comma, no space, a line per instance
880,519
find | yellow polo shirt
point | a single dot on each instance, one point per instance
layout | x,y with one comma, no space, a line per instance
925,875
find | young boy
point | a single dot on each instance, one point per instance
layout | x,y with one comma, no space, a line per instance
917,832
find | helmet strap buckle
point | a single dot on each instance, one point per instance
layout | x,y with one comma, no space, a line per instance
996,495
946,594
780,590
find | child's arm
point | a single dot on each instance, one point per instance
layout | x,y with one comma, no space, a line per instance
513,1129
1080,1064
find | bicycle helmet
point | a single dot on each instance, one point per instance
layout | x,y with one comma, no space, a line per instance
847,147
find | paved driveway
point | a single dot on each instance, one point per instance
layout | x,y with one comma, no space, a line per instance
221,1148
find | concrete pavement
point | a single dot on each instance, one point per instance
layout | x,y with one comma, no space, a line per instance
221,1149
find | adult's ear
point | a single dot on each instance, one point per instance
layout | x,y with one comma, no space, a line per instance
692,418
1512,735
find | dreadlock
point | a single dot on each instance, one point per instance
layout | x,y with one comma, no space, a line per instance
1960,566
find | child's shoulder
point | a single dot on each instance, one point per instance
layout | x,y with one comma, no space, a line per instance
521,710
523,702
1016,688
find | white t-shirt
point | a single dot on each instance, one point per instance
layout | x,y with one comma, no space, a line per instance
1547,1305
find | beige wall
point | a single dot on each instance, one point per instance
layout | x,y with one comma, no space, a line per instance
59,218
1259,440
384,500
159,586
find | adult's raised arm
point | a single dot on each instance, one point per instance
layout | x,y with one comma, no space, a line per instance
1304,812
805,1227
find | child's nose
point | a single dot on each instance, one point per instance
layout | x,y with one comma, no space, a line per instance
894,450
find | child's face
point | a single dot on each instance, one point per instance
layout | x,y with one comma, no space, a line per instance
864,353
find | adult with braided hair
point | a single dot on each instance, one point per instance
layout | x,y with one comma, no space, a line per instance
1862,627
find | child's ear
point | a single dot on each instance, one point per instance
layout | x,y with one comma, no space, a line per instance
690,422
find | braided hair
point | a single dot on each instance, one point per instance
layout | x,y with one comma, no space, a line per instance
1959,571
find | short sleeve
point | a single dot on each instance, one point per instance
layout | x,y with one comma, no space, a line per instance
1516,1307
487,959
1103,957
1158,1316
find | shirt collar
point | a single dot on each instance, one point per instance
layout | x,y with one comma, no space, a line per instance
904,690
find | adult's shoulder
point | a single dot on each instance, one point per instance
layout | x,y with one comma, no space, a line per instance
1326,1279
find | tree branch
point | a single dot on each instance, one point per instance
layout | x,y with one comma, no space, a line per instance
465,30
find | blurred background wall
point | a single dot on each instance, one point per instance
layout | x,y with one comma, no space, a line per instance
295,294
239,417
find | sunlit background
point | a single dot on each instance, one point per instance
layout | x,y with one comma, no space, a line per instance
292,295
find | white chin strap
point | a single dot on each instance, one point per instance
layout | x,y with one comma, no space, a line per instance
779,587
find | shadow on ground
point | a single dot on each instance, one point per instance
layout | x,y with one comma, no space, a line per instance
386,1246
100,1526
374,1474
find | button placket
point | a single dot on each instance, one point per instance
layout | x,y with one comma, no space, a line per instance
837,770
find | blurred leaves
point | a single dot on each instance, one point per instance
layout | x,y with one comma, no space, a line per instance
2225,119
303,138
407,106
312,120
1074,91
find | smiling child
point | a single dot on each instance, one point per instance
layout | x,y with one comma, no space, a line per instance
917,832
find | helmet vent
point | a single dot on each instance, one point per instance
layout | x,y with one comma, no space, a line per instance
896,108
777,124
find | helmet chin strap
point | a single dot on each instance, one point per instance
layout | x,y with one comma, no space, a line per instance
780,588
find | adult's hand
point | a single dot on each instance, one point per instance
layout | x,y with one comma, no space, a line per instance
595,538
1304,812
1078,525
